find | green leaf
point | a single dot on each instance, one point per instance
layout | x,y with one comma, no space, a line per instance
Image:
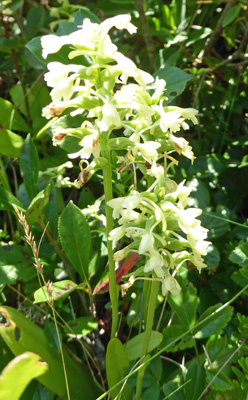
7,199
215,222
21,335
19,373
199,196
116,363
215,347
176,80
170,333
34,46
151,392
35,20
196,375
61,290
216,323
8,274
220,382
74,233
34,211
134,346
198,34
184,305
10,143
172,387
240,254
81,326
10,117
37,97
231,15
212,258
29,166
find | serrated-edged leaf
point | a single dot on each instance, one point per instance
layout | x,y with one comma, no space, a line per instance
215,346
21,335
7,199
20,371
10,143
215,324
231,15
215,222
171,333
199,196
74,233
185,304
29,166
196,376
60,290
220,382
212,258
34,211
10,117
116,363
240,254
175,79
134,346
81,326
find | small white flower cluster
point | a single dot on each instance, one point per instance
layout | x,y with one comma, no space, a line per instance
157,221
161,229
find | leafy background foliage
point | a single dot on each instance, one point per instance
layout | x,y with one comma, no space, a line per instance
200,49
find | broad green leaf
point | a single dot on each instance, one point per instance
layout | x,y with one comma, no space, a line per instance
10,117
74,233
10,143
240,254
7,199
35,20
37,97
29,166
21,335
34,46
212,258
34,211
221,382
184,305
171,333
215,346
134,346
215,222
81,326
231,15
216,323
152,392
8,274
61,290
116,363
199,196
175,79
18,373
196,375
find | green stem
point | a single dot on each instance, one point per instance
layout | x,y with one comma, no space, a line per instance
108,193
149,324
